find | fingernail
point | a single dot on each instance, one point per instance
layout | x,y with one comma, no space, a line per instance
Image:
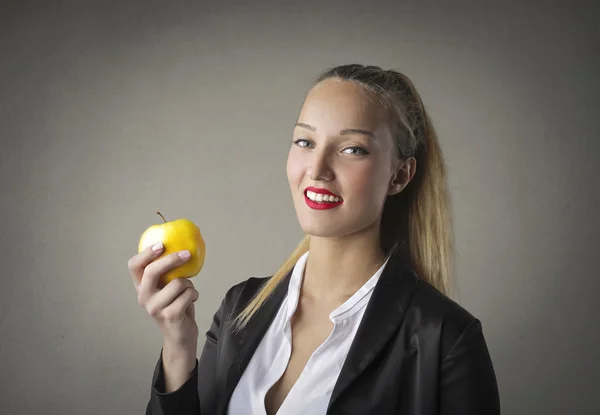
184,254
157,247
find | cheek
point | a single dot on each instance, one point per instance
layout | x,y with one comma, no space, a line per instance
366,179
294,169
369,186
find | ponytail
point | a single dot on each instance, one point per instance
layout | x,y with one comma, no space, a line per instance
431,242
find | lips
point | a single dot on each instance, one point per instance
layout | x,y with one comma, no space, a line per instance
322,205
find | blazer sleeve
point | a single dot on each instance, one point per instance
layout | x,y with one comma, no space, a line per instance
201,383
468,381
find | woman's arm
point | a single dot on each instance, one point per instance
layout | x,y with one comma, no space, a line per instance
185,400
468,381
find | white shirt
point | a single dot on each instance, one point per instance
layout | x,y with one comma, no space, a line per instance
312,391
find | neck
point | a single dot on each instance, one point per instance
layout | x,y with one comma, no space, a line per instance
337,267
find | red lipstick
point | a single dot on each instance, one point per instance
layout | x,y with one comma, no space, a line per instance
321,205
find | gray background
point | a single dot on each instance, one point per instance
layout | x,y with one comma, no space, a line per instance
112,110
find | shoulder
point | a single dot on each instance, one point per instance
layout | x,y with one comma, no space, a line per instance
440,306
431,309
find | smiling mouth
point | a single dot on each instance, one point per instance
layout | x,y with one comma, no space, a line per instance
326,202
321,198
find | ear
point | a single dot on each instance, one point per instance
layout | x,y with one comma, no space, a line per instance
404,172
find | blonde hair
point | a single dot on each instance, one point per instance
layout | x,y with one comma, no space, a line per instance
416,223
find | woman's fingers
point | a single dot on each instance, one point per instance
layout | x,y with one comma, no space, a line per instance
153,272
171,305
140,261
176,311
167,295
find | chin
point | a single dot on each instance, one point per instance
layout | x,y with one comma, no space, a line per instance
322,230
326,228
331,229
332,224
321,233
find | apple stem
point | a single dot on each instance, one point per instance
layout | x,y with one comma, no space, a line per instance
163,218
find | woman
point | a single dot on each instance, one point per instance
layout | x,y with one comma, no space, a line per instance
358,320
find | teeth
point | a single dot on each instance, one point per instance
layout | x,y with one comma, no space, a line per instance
320,198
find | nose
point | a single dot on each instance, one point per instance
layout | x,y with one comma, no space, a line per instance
320,168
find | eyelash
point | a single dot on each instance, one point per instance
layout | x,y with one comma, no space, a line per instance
364,152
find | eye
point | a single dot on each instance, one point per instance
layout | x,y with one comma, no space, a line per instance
361,151
299,142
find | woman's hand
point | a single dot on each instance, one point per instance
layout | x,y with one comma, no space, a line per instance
171,306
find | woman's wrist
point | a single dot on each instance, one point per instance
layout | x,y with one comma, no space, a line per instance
179,362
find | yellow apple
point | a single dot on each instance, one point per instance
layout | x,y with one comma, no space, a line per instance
176,236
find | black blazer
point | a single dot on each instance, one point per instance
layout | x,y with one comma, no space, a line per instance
416,352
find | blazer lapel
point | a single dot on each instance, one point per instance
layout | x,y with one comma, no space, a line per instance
383,316
245,343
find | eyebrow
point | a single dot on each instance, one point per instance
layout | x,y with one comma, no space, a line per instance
346,131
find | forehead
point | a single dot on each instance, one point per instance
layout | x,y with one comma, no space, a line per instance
338,104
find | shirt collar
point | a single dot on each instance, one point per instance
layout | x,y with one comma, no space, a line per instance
347,309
